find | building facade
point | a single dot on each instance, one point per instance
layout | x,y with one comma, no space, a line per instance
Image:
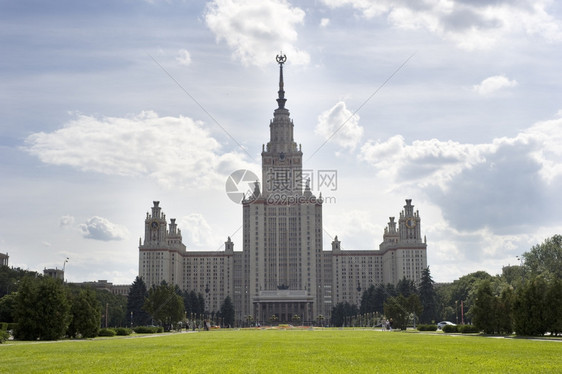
4,259
282,269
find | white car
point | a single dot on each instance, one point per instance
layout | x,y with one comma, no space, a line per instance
442,324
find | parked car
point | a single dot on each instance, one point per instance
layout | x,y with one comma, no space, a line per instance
441,324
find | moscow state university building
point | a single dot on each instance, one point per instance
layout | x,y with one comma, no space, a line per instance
282,268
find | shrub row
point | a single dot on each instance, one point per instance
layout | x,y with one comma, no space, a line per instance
123,331
427,327
464,329
148,329
106,332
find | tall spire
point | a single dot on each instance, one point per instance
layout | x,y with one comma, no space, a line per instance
281,99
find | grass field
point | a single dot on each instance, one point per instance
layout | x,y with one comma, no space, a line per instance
285,351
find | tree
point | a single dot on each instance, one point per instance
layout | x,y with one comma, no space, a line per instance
484,307
428,297
227,312
530,308
400,309
406,287
553,300
42,309
164,305
341,312
10,277
504,311
368,300
194,303
86,315
463,289
137,316
7,307
546,258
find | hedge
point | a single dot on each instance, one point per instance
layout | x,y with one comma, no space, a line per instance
122,331
427,327
148,329
450,328
106,332
468,329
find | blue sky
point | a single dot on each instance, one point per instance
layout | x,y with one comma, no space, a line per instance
109,105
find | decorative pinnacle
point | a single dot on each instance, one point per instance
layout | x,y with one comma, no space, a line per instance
281,59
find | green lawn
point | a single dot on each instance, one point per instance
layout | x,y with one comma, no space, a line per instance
285,351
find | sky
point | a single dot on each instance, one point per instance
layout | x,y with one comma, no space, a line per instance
107,106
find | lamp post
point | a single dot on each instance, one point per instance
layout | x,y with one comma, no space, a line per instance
64,267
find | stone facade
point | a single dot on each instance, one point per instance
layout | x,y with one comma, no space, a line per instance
4,259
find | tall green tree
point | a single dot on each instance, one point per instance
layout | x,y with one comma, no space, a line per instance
546,258
194,303
135,302
8,307
530,308
10,278
341,312
227,312
553,300
86,315
406,287
401,309
164,305
428,297
42,309
368,300
484,307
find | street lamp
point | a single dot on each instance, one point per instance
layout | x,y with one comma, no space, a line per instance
63,267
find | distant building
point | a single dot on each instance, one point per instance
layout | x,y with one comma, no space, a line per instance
283,268
102,284
4,259
54,273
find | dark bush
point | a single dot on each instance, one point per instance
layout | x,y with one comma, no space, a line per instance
427,327
123,331
450,328
4,335
160,329
146,329
106,332
468,329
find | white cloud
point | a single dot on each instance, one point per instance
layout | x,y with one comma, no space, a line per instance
505,184
324,22
493,84
177,152
469,24
99,228
257,30
353,224
340,125
183,58
198,234
426,162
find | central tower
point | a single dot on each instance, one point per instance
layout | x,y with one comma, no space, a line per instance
282,231
281,159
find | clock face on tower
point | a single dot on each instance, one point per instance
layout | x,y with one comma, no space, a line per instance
154,225
410,222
